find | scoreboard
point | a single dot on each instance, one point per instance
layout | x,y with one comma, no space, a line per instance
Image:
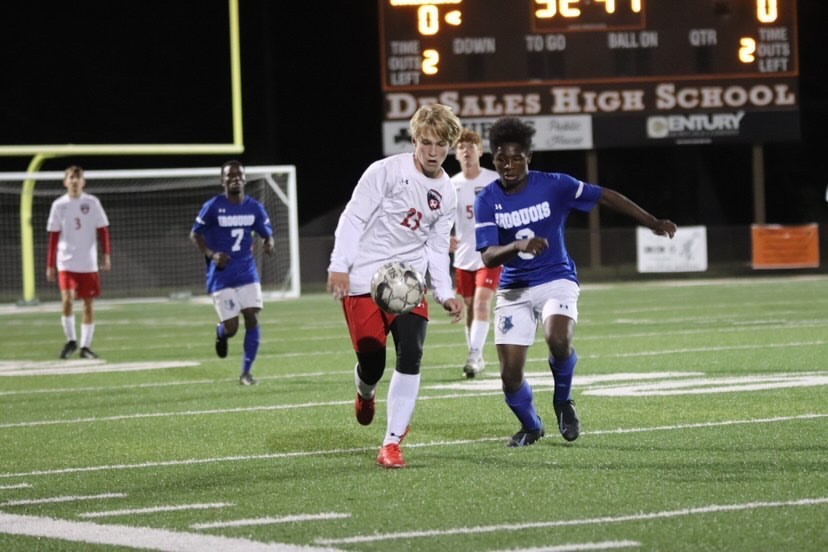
594,74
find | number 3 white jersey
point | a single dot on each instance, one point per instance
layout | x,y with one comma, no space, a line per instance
77,220
396,213
466,256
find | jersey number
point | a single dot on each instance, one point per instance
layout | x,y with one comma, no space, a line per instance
412,219
77,223
469,212
525,234
237,233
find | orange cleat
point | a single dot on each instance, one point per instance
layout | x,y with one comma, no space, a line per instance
390,456
364,409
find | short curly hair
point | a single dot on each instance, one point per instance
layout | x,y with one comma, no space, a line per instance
511,130
439,119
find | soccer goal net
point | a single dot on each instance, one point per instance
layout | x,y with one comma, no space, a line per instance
150,214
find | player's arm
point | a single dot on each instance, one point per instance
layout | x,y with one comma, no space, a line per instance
624,205
437,250
216,256
51,256
496,255
492,252
103,238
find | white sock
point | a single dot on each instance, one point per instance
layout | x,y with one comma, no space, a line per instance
87,331
402,396
477,337
68,323
466,328
365,391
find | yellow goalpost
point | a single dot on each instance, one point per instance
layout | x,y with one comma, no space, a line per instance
41,153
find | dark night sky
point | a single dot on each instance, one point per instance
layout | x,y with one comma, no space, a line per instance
138,71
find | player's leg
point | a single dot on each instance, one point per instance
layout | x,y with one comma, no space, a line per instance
67,284
368,327
464,283
250,300
227,306
560,315
88,288
485,284
514,333
409,331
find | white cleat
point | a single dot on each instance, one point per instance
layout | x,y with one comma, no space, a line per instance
473,366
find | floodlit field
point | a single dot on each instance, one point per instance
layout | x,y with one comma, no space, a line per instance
704,409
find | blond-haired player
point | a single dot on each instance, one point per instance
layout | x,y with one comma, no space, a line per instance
402,209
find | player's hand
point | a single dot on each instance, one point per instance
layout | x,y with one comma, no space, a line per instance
533,245
339,284
269,246
106,265
51,274
664,227
454,308
221,259
453,241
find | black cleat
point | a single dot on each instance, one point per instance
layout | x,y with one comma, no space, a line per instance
247,379
68,349
526,437
86,352
568,421
221,345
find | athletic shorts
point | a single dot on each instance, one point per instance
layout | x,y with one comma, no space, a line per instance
368,324
86,284
469,280
229,302
518,311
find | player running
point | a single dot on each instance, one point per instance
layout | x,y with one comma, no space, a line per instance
520,225
402,209
223,233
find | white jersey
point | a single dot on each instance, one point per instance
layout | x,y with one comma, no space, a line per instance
396,213
466,256
77,220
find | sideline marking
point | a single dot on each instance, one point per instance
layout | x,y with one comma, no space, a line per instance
606,545
56,499
545,378
18,486
155,509
302,454
713,508
73,367
137,537
270,520
711,385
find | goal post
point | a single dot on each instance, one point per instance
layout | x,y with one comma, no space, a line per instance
151,212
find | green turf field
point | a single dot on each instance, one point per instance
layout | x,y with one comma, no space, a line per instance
704,410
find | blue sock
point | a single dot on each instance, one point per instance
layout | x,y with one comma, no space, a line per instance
251,346
220,330
521,404
562,371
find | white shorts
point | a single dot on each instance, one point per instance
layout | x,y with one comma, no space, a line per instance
518,311
229,302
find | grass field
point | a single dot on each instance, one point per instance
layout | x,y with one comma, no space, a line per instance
704,413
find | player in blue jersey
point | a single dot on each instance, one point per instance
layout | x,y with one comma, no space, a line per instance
520,221
223,233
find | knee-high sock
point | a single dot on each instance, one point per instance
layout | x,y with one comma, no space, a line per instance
87,331
562,371
68,323
402,396
251,347
477,336
220,330
521,404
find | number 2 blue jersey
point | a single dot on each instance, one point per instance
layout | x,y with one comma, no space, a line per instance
540,209
227,227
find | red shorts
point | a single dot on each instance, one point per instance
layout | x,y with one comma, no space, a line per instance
85,284
469,280
368,324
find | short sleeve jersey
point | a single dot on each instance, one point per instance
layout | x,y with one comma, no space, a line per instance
228,227
540,209
77,220
466,256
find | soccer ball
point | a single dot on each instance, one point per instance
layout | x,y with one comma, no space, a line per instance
397,287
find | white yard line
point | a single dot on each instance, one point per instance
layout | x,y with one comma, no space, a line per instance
270,520
17,486
56,499
156,509
71,368
576,547
137,537
302,454
710,509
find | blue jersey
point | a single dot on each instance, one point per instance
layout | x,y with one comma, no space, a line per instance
540,209
227,227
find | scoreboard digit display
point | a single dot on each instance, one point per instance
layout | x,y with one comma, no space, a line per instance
596,73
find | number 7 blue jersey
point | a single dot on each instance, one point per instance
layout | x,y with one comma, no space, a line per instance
228,227
540,209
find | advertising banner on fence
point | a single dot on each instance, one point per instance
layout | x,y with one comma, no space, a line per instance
777,246
686,252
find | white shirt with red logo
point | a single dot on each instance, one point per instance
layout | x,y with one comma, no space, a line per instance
466,256
396,213
77,220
